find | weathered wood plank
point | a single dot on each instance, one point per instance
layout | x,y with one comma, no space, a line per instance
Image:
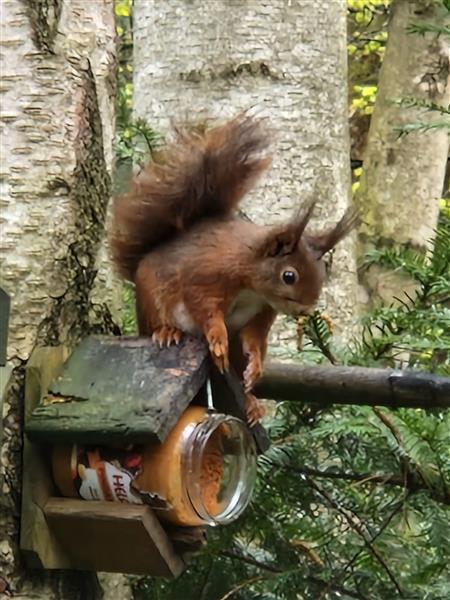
124,390
113,537
37,542
353,385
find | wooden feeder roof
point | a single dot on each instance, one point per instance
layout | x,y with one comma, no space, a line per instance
120,389
128,390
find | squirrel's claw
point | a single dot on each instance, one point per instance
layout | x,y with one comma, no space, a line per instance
254,410
167,335
217,339
219,354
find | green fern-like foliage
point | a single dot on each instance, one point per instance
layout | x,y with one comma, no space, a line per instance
442,114
442,121
136,142
416,331
423,28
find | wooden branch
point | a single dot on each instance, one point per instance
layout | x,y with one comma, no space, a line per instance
353,385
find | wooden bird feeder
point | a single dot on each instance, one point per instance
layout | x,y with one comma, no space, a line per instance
111,391
123,391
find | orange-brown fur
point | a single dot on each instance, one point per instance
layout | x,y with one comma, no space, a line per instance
197,266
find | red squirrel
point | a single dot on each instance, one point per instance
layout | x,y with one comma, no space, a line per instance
199,268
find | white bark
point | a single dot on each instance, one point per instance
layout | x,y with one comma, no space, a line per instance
403,178
57,95
286,59
50,100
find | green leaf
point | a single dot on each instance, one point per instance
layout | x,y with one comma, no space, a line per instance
123,8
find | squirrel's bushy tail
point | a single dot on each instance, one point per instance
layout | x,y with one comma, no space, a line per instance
200,175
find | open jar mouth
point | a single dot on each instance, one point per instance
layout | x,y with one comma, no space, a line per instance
219,468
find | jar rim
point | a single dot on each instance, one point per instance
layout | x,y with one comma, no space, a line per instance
194,444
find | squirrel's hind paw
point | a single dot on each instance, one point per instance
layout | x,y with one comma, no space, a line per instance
167,335
253,371
255,411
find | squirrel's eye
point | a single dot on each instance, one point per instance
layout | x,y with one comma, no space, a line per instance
289,277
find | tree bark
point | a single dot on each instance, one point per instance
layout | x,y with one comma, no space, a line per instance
403,177
288,61
57,92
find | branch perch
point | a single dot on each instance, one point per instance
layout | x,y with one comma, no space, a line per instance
353,385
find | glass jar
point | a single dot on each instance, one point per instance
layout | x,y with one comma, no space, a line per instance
203,473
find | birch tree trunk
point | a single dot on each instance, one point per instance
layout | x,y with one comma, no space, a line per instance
198,59
403,177
57,95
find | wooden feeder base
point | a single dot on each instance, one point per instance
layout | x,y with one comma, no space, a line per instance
108,536
65,533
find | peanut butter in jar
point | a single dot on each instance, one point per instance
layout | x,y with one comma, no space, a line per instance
204,471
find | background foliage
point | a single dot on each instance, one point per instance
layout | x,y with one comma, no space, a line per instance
351,502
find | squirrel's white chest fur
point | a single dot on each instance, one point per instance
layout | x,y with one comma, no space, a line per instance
244,307
183,319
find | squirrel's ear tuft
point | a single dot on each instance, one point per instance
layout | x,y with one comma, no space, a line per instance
279,242
283,240
321,243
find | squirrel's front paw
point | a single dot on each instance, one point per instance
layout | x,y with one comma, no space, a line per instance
217,339
254,409
166,335
253,370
